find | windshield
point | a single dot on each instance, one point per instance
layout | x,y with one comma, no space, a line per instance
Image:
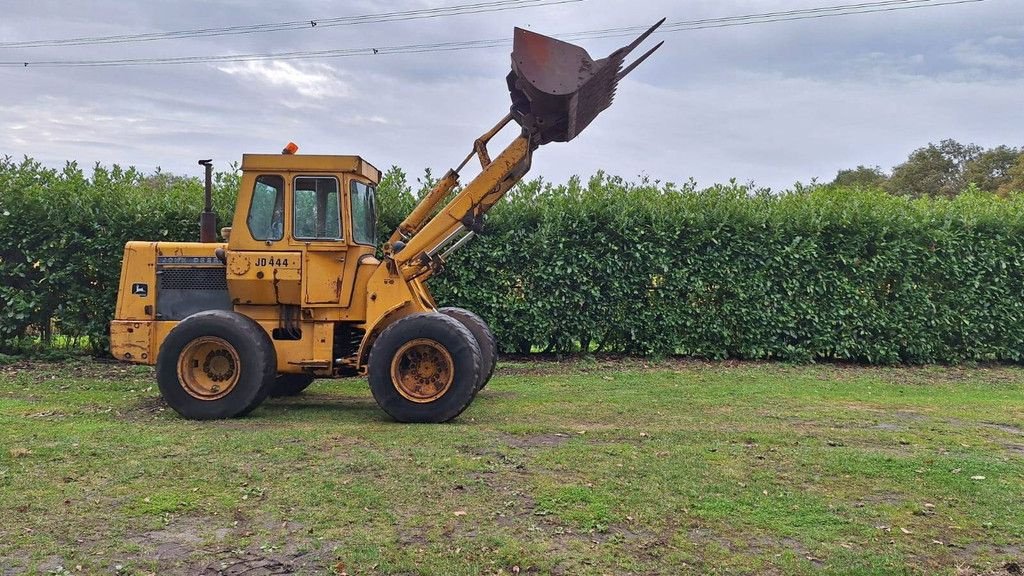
364,213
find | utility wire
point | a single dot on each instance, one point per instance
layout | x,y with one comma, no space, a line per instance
680,26
424,13
767,18
795,14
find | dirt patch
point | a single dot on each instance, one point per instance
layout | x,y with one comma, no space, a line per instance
206,546
488,393
146,408
78,369
537,440
909,416
176,542
258,562
754,545
496,458
846,433
883,498
884,419
898,415
51,565
978,559
1009,429
232,563
1016,450
410,537
15,567
46,415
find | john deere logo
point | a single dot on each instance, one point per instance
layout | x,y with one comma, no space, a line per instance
140,289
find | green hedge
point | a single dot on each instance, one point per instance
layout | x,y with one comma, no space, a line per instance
818,273
62,236
812,274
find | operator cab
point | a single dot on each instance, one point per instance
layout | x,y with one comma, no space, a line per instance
302,225
305,199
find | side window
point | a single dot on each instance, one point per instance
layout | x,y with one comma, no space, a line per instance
316,210
266,213
364,213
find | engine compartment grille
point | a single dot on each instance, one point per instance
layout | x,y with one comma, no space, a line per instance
193,279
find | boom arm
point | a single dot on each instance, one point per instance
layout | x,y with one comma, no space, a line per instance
425,236
556,90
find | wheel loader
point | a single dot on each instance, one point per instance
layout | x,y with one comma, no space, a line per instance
297,291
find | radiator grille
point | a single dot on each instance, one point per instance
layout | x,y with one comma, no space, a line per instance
193,279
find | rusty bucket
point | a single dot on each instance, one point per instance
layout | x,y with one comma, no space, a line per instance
557,89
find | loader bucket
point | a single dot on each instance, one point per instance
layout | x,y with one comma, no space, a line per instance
557,89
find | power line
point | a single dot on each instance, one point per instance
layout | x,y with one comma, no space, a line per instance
423,13
795,14
880,6
771,17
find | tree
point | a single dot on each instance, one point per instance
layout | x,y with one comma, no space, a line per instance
990,170
935,170
1015,178
861,176
395,199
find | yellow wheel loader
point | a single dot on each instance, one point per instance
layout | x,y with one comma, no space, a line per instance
296,291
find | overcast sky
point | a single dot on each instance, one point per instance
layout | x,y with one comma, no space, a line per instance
773,103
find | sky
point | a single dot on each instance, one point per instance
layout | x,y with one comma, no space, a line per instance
774,103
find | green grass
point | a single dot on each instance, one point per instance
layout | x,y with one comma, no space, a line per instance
590,467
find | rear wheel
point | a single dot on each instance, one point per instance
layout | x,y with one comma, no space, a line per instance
484,338
289,385
215,364
424,368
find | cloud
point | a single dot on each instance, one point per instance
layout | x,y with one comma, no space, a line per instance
773,103
365,120
997,53
311,80
776,130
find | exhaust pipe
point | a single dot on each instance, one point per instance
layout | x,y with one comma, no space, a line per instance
207,219
557,89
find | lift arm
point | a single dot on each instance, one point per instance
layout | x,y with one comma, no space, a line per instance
415,246
556,90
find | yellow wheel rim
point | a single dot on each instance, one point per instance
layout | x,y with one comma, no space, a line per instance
422,370
208,368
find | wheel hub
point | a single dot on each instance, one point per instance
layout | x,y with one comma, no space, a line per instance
208,368
219,365
422,370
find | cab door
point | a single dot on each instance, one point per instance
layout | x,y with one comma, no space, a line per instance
317,227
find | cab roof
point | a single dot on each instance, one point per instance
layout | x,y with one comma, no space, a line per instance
310,163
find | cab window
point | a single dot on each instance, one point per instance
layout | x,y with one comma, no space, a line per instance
316,211
266,212
364,213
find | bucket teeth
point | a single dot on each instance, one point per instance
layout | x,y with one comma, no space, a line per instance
637,62
557,89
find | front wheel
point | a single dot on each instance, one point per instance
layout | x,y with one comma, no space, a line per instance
424,368
215,364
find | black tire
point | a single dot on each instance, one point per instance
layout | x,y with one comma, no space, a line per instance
484,338
290,385
435,341
237,349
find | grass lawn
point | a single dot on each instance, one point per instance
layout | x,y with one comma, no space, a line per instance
595,467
